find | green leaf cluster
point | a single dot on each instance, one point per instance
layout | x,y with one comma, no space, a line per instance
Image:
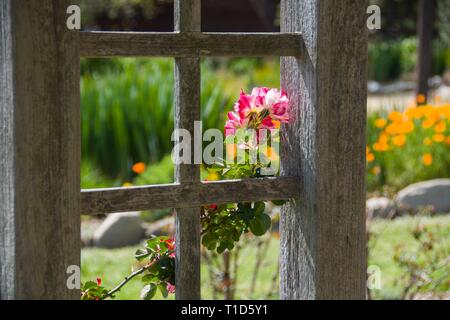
92,291
161,267
223,226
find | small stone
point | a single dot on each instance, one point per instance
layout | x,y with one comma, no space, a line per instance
119,230
380,207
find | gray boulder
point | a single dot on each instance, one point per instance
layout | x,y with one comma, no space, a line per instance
88,227
119,230
380,207
432,193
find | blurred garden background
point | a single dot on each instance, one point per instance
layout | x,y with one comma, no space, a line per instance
127,122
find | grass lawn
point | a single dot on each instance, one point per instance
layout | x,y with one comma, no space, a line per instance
391,234
113,265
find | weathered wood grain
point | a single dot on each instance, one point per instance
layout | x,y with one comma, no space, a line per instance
104,201
176,44
7,175
40,141
187,111
323,241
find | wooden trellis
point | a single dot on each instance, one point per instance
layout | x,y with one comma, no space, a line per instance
323,43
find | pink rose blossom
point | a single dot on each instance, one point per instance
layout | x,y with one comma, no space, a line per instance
278,105
170,288
264,109
235,121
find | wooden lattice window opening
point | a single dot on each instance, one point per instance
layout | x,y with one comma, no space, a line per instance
323,68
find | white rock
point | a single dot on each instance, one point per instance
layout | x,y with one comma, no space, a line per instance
373,86
434,193
444,92
380,207
435,81
119,230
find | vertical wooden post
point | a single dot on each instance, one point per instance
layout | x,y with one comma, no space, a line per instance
425,32
39,162
323,240
187,110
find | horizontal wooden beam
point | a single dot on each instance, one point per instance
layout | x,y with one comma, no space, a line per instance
176,44
103,201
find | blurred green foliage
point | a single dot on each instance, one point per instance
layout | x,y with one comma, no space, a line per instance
92,177
443,21
126,109
388,60
119,14
158,173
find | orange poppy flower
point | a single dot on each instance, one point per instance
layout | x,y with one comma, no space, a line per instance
440,127
370,157
438,137
138,167
427,159
380,123
421,99
395,116
399,140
